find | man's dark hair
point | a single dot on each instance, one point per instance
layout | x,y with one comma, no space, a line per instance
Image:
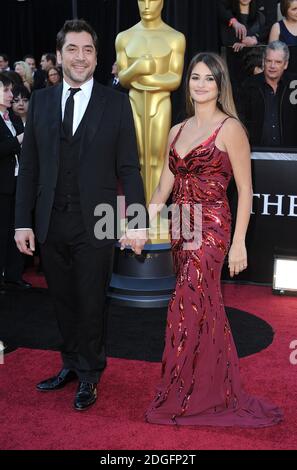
5,80
5,57
29,56
75,26
13,77
52,57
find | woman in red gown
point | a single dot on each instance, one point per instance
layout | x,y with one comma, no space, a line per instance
200,383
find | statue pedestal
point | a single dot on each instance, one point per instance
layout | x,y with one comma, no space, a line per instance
144,281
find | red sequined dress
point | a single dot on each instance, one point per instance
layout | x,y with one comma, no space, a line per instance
200,383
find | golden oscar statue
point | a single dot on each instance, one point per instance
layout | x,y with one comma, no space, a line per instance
150,58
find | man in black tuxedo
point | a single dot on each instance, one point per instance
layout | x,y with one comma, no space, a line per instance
79,138
11,137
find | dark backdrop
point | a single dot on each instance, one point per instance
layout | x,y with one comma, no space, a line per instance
30,26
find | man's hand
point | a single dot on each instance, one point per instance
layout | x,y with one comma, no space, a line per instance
25,241
240,30
134,239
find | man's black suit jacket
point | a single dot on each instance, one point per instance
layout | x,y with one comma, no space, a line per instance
39,79
117,87
108,150
9,147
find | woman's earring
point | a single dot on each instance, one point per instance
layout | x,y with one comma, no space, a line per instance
191,101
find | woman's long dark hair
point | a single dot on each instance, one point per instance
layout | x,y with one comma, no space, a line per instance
252,12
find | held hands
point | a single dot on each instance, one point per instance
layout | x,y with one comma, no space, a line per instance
237,258
134,239
25,241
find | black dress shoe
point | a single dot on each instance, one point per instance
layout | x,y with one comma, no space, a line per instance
86,396
20,284
58,381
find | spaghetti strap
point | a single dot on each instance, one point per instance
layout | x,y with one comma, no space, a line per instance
179,132
216,132
221,125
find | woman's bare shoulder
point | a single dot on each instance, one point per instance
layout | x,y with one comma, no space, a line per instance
232,131
176,127
232,124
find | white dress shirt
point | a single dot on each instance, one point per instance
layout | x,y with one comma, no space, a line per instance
81,101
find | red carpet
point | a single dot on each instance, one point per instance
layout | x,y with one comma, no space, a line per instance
32,420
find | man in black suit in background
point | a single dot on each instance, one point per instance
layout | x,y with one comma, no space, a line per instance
266,103
79,138
114,82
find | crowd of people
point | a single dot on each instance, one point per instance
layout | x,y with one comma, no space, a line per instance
261,53
18,84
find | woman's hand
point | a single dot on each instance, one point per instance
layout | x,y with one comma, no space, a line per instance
238,46
250,41
240,30
134,239
237,258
